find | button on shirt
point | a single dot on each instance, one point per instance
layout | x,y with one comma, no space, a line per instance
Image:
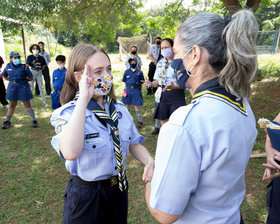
137,58
35,62
154,51
97,160
17,72
133,78
200,163
165,75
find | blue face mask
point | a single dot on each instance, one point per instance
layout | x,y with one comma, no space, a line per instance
133,65
181,73
17,61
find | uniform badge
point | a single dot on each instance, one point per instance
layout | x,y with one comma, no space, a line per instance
120,114
58,126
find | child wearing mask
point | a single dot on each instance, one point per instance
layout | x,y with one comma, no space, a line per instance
37,63
133,54
18,76
133,78
58,80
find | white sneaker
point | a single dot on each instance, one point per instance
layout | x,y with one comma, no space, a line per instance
6,106
45,105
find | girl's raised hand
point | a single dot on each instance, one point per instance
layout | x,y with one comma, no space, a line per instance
86,87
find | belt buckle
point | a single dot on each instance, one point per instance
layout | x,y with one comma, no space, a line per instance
113,181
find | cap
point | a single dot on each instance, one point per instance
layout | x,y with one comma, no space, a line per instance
14,54
132,59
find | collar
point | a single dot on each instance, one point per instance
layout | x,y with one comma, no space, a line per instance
213,89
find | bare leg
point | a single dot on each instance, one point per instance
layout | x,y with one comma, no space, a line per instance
12,108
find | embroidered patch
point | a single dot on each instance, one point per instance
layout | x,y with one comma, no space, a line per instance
58,126
120,114
92,135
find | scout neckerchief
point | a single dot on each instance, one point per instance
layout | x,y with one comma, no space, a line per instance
112,120
213,89
163,76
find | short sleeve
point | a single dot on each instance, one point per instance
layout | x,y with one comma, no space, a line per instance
126,62
177,170
157,72
5,73
28,60
142,76
124,77
151,50
49,58
59,120
135,136
139,62
28,72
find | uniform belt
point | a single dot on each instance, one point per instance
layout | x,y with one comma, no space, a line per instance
20,81
109,182
133,87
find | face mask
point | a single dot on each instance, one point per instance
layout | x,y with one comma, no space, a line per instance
17,61
181,73
60,66
103,85
166,53
158,42
133,65
41,47
35,51
133,52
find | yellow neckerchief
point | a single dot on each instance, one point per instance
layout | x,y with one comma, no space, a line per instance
212,89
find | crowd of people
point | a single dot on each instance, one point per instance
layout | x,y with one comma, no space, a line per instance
203,148
22,78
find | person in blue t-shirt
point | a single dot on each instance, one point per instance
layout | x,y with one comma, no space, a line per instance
18,76
37,63
58,80
133,78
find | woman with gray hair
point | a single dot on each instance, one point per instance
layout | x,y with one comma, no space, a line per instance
204,148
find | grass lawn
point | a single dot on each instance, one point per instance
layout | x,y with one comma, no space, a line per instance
33,177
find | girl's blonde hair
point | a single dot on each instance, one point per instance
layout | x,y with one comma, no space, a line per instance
76,63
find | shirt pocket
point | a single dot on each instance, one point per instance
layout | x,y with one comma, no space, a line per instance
94,144
125,138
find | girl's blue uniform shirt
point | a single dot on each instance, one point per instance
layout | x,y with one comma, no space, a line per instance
133,84
17,72
58,81
18,88
97,160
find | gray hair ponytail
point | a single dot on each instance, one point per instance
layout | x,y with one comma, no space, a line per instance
241,68
231,46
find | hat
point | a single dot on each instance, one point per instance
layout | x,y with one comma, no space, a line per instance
14,54
132,59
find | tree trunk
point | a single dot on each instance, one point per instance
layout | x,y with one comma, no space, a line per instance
233,5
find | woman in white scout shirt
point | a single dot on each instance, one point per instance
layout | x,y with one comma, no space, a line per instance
203,150
94,134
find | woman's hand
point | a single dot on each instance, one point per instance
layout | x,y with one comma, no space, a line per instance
271,165
171,86
148,83
148,171
86,87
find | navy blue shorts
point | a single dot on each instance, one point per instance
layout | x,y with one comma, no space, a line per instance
18,91
98,205
169,102
273,202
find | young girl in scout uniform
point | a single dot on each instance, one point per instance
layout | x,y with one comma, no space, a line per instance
133,78
94,133
18,89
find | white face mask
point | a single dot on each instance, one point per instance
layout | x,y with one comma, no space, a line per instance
35,51
60,66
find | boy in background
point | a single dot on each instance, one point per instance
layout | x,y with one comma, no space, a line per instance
58,80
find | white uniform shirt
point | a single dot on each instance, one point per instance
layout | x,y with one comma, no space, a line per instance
201,156
163,75
97,160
